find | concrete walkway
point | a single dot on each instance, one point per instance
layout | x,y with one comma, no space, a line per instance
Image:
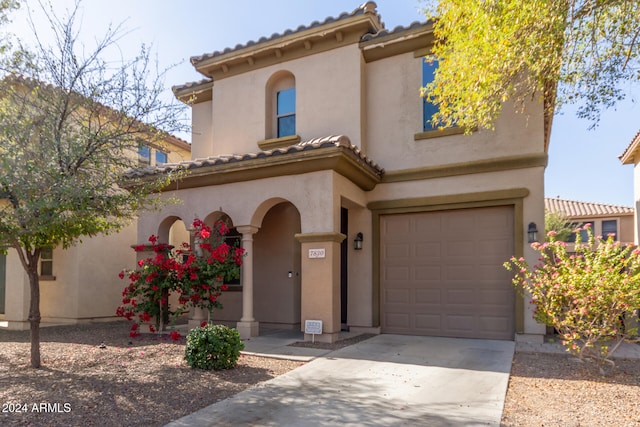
387,380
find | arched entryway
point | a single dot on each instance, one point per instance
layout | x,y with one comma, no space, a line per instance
276,267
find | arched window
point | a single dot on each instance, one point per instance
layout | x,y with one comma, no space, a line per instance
281,105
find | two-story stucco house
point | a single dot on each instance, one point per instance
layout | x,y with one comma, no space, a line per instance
605,219
314,144
79,283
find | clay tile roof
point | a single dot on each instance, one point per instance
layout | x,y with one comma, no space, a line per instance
576,209
31,82
190,85
396,31
312,144
627,157
366,8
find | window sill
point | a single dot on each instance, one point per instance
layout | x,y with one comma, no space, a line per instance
234,288
436,133
47,278
273,143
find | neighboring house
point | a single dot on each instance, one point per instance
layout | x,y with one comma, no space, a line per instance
80,283
631,156
604,219
313,145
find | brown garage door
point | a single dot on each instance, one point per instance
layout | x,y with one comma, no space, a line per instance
441,273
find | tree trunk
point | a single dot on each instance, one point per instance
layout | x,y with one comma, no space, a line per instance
34,314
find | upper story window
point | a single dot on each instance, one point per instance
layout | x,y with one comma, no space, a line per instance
286,112
428,109
610,226
161,157
144,155
280,106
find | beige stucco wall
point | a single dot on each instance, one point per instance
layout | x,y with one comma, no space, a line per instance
247,202
394,116
626,229
16,293
323,82
201,131
86,285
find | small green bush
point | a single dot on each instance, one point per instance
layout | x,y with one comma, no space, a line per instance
213,347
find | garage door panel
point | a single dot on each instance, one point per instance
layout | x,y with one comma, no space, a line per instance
448,279
461,272
395,296
397,320
491,274
428,250
400,273
428,322
461,248
461,296
397,250
495,297
428,296
460,323
427,273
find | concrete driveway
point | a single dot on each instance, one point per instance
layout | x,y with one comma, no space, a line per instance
388,380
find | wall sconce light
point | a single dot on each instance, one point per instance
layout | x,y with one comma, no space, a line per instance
357,242
532,232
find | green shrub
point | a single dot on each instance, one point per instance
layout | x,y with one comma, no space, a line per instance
586,294
213,347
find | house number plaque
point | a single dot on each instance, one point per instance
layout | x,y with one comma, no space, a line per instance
316,253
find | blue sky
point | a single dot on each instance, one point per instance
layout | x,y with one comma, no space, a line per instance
583,164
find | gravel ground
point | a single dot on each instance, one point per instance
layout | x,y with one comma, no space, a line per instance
559,390
134,382
145,382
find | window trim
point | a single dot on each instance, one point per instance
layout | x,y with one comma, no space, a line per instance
47,259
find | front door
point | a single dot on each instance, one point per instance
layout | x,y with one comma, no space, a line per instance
344,247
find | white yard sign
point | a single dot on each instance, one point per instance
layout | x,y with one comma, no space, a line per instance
313,327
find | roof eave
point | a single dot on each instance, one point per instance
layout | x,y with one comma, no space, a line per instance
337,158
194,93
362,22
628,157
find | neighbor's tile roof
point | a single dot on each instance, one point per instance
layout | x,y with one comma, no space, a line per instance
368,7
312,144
572,208
32,83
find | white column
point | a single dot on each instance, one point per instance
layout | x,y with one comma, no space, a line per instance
247,326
